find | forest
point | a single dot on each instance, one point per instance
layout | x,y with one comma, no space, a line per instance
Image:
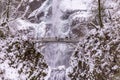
59,39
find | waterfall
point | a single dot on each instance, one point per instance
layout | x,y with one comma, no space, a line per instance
57,54
57,74
56,21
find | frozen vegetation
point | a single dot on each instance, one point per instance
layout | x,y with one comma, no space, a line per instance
94,23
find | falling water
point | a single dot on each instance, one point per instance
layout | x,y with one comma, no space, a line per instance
56,54
57,74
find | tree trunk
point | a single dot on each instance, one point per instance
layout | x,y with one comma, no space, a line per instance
99,14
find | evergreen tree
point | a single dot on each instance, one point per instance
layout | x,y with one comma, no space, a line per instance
97,56
24,57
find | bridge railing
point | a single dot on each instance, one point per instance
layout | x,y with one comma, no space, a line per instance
56,40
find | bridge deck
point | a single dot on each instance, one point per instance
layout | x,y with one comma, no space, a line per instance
56,40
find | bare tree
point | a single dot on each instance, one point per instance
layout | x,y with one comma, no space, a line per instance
99,15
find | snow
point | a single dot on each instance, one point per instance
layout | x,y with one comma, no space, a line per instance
91,65
62,67
19,24
23,24
10,73
115,67
56,53
40,29
110,3
49,72
40,9
31,1
75,5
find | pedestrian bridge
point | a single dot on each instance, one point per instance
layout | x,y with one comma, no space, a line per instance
56,40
